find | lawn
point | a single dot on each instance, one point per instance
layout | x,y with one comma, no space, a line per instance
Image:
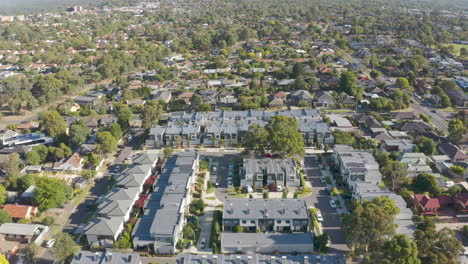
457,47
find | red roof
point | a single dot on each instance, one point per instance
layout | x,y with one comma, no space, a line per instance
462,197
19,211
445,200
427,202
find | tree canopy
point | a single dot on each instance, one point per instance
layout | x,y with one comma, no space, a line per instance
65,247
51,193
53,124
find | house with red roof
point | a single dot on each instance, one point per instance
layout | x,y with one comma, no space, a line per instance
17,211
425,204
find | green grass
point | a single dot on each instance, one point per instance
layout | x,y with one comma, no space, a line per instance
336,110
210,198
304,194
449,109
79,199
457,47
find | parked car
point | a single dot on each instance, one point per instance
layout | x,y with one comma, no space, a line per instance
50,243
322,179
213,169
117,168
272,187
332,204
268,155
203,243
328,190
434,111
249,189
318,214
279,188
217,184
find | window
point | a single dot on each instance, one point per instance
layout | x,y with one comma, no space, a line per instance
287,221
259,177
244,222
193,137
168,137
209,136
278,221
252,222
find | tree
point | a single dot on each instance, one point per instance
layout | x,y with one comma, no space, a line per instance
3,194
369,225
239,229
12,170
456,130
434,246
151,113
53,124
167,152
284,136
399,250
426,183
33,158
445,101
348,82
343,137
65,247
188,232
48,220
320,243
124,115
79,132
426,145
5,217
196,101
107,142
178,105
396,171
297,70
403,83
43,152
197,206
256,140
458,169
31,251
51,193
26,181
116,131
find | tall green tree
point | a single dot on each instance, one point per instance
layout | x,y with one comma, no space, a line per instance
435,247
151,113
399,250
12,170
284,136
348,82
426,145
51,193
196,101
116,131
53,124
124,115
395,171
369,225
3,194
79,132
426,183
456,130
107,142
5,217
65,247
256,140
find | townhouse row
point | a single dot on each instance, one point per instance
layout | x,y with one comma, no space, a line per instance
115,208
160,226
229,127
361,172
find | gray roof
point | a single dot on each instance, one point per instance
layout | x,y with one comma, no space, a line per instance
104,226
265,239
20,229
260,259
115,208
106,257
145,158
265,208
123,194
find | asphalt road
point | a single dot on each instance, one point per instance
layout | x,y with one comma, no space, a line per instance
438,119
320,199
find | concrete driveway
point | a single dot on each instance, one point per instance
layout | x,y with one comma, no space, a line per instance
320,199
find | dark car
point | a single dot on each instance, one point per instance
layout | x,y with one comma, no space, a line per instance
272,187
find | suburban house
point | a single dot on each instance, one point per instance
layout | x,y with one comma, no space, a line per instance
23,233
164,96
103,231
458,98
452,151
262,172
186,96
73,163
398,145
415,163
254,215
18,212
105,257
323,99
300,96
425,204
160,227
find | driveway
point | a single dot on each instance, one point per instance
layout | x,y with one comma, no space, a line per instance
320,199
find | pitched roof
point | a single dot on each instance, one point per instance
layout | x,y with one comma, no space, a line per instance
104,226
427,202
452,151
18,211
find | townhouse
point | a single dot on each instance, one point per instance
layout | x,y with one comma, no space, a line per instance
260,259
115,208
190,129
266,171
262,215
160,226
106,257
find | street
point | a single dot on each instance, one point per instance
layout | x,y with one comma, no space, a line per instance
320,199
438,119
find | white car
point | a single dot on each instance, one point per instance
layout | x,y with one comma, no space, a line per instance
50,243
332,204
318,214
322,179
249,189
230,185
279,188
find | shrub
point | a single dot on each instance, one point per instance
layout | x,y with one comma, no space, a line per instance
48,220
458,170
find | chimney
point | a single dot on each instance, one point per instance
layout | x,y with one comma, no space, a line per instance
215,259
249,260
306,259
204,259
